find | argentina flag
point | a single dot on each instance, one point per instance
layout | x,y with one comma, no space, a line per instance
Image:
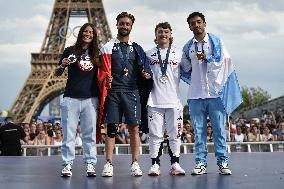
221,71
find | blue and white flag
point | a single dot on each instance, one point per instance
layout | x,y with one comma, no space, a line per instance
225,81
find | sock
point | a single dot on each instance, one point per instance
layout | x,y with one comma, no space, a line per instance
174,159
108,160
155,161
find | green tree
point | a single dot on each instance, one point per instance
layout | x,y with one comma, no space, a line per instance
253,97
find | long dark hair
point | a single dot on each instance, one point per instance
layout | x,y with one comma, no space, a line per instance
93,48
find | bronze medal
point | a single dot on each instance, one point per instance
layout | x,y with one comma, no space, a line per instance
125,72
199,55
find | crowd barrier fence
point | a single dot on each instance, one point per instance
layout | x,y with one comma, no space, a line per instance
186,148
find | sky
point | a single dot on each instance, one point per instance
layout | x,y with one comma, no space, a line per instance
253,33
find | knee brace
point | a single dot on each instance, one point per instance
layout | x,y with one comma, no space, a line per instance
111,130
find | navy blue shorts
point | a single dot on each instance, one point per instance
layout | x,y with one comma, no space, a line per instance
123,104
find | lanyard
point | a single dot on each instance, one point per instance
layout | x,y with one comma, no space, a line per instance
124,58
163,66
196,48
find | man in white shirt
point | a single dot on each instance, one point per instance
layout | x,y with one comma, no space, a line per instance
213,91
164,105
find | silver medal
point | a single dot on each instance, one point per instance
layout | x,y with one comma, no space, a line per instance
164,79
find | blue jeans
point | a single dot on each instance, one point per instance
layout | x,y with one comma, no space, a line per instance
199,109
74,110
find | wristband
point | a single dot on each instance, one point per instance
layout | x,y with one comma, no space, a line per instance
62,66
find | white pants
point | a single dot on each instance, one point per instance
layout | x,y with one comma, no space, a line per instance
159,120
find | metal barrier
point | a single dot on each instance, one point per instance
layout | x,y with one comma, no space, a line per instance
186,148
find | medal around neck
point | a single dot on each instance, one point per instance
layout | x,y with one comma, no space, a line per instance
125,72
164,79
199,55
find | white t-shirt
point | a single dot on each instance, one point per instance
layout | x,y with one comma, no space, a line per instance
266,138
165,95
203,73
239,138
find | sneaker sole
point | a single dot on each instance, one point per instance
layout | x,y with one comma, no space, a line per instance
154,174
91,174
107,175
66,175
177,174
225,173
136,175
198,173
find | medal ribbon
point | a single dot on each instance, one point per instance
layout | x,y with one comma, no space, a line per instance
124,58
196,48
163,66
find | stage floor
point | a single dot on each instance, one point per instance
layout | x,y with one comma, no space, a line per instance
250,171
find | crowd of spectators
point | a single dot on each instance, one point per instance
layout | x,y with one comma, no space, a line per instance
44,133
267,127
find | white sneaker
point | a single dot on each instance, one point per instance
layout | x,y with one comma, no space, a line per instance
176,169
66,171
154,170
224,169
108,170
91,172
135,169
199,169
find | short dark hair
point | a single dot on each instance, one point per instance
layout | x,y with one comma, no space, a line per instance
125,14
164,25
194,14
49,133
32,136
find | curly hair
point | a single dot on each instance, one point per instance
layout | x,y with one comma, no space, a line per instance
125,14
93,48
194,14
164,25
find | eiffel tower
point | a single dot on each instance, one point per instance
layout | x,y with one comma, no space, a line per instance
41,86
